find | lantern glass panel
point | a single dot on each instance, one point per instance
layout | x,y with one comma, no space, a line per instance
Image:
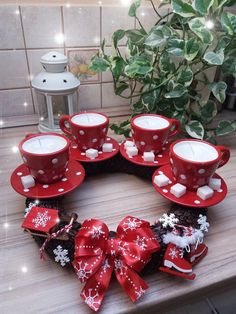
42,108
59,107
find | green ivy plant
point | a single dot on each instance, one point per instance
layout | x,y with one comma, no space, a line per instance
161,68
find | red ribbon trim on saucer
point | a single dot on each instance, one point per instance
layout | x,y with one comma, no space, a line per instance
97,256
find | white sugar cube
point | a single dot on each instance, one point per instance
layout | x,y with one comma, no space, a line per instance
148,156
132,151
161,180
91,153
27,181
215,184
107,147
205,192
178,190
128,144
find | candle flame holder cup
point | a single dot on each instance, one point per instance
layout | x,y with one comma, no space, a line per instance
46,156
87,130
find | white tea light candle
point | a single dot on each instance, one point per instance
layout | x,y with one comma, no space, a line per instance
88,119
151,122
44,144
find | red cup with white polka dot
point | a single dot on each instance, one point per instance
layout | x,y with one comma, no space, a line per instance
193,162
46,155
86,129
151,131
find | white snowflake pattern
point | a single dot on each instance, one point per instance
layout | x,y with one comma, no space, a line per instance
41,219
28,209
82,272
61,255
131,224
173,253
119,266
168,220
202,221
123,247
141,242
105,265
96,232
90,299
139,293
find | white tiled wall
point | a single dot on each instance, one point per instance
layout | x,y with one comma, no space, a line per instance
28,32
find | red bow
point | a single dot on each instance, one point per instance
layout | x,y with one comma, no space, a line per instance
97,255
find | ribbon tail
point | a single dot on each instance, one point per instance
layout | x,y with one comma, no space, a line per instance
131,282
94,291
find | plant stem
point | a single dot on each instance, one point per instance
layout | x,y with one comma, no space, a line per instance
163,17
154,8
140,24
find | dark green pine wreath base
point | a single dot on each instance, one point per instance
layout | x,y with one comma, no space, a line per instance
187,216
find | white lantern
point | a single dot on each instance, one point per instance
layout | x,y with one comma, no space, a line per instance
56,90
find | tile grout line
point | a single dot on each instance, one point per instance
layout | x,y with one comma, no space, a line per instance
27,59
63,29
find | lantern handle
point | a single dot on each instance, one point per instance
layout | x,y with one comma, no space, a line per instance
62,124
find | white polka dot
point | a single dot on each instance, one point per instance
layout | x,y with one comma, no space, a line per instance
54,161
81,132
130,157
64,179
160,172
164,148
201,171
165,191
160,155
142,143
19,174
60,190
26,190
82,154
94,140
113,149
171,161
108,139
170,181
74,146
45,186
155,162
67,169
220,190
41,172
167,142
100,153
78,173
155,137
55,177
197,202
182,176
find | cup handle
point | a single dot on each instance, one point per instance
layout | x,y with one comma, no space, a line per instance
225,155
63,126
177,127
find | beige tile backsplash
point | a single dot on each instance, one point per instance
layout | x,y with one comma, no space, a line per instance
28,32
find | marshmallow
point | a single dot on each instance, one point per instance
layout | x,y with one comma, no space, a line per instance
91,153
205,192
27,181
132,151
215,184
148,156
107,147
178,190
161,180
128,144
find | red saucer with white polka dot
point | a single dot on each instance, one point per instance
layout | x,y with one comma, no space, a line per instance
190,198
76,154
73,178
162,158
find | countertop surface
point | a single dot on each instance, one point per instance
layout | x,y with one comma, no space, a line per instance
29,285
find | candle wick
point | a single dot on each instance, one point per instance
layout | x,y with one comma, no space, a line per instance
192,150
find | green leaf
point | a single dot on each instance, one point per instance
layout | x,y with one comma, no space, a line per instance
182,103
229,66
176,47
158,36
197,26
177,91
208,110
210,136
99,64
136,36
202,6
166,64
225,127
228,22
195,129
150,99
185,76
133,8
117,66
140,65
117,35
182,8
214,58
218,89
191,49
121,87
